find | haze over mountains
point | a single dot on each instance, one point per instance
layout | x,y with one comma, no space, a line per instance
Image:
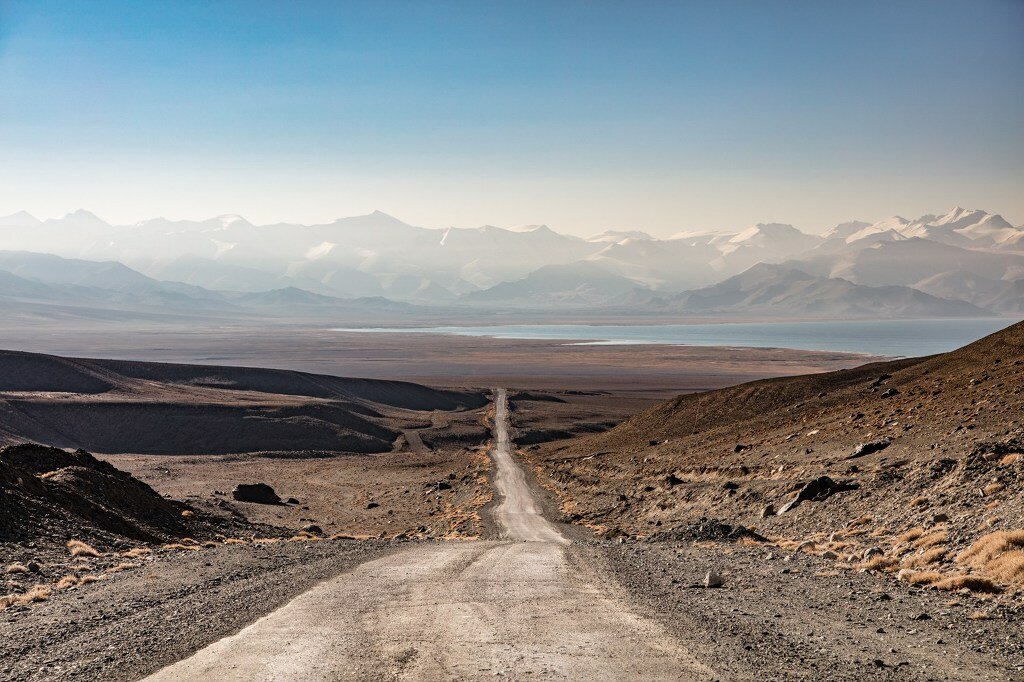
963,263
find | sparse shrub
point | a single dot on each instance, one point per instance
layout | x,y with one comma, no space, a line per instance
931,540
911,535
17,568
974,583
81,549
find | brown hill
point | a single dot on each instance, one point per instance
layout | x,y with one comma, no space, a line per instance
155,408
943,434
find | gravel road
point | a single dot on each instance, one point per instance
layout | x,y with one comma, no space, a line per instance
522,606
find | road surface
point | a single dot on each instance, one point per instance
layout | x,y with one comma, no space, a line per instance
522,606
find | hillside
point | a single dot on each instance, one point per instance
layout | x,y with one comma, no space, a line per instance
141,407
779,289
931,447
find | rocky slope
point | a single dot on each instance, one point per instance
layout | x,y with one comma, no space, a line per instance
924,458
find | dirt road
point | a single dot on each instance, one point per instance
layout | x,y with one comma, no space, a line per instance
522,606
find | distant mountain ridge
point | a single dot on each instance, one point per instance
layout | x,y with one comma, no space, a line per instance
376,255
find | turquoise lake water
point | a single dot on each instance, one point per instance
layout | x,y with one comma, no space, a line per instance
899,338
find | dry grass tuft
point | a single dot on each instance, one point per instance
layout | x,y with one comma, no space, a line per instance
38,593
979,615
931,540
911,535
80,549
1008,567
187,513
123,566
988,547
235,541
178,545
17,568
7,600
993,488
860,521
879,532
1011,458
265,541
343,536
926,558
137,552
923,577
67,581
973,583
86,579
920,501
305,537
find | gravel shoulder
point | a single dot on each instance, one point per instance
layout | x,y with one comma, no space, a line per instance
779,619
138,621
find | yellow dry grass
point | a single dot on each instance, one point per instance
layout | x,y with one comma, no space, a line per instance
919,501
86,579
926,558
974,583
16,568
988,547
178,545
993,488
860,521
911,535
137,552
923,577
67,582
38,593
1011,458
265,541
234,541
123,566
979,615
81,549
931,540
187,513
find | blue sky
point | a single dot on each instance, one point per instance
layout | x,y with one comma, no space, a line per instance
585,116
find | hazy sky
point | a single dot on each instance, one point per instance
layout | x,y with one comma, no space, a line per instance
582,115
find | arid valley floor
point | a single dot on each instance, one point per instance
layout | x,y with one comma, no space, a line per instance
540,513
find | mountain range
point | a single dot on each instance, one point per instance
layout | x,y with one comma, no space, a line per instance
965,262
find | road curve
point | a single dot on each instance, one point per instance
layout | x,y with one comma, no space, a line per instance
522,606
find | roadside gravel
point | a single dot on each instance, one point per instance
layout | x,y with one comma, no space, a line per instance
137,621
778,619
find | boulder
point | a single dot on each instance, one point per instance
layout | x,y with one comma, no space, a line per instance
868,448
768,510
313,529
819,489
713,579
260,493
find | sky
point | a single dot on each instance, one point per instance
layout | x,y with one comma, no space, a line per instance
585,116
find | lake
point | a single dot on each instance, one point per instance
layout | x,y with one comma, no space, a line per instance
897,338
